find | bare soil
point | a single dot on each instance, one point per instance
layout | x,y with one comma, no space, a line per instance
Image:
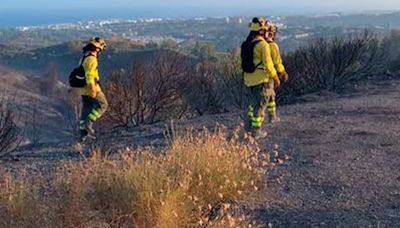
344,150
345,161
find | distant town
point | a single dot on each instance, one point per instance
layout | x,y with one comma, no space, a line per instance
225,32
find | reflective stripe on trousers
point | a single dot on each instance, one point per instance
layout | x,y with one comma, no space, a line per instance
256,122
94,115
250,112
271,107
256,111
82,125
92,108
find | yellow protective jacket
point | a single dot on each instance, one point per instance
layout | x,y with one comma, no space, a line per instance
276,57
92,88
265,71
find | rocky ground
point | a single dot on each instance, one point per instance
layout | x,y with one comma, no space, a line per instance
345,161
344,167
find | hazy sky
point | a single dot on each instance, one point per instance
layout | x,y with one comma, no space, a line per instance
333,5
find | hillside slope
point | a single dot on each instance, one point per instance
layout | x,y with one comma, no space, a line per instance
120,54
344,167
25,91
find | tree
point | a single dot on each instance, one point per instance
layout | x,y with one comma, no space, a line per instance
169,44
204,51
152,45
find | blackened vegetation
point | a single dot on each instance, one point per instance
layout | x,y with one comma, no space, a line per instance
172,85
9,131
149,91
331,64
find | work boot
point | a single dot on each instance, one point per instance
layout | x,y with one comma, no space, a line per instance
86,138
274,119
259,134
247,126
89,128
82,133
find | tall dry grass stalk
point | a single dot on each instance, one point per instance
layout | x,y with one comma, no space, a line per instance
193,182
18,202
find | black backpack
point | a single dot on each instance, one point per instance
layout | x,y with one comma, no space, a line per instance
77,76
247,55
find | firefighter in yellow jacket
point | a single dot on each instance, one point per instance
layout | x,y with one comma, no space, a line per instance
94,102
279,67
259,74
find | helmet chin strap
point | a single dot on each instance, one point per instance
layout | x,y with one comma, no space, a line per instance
96,53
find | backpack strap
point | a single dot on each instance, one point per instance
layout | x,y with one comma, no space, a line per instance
255,43
85,56
258,65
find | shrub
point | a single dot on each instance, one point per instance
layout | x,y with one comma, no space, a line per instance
230,83
182,187
323,65
201,90
9,131
332,64
391,46
69,105
148,93
34,127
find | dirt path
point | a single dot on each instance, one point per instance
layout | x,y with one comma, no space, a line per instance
344,168
345,161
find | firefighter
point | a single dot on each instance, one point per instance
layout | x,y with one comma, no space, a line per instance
259,74
94,102
279,67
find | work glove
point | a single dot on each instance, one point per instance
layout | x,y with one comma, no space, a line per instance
93,93
277,82
284,76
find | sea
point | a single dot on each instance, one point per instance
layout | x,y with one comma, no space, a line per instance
12,18
37,17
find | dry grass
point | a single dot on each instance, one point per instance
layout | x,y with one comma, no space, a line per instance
193,183
18,201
